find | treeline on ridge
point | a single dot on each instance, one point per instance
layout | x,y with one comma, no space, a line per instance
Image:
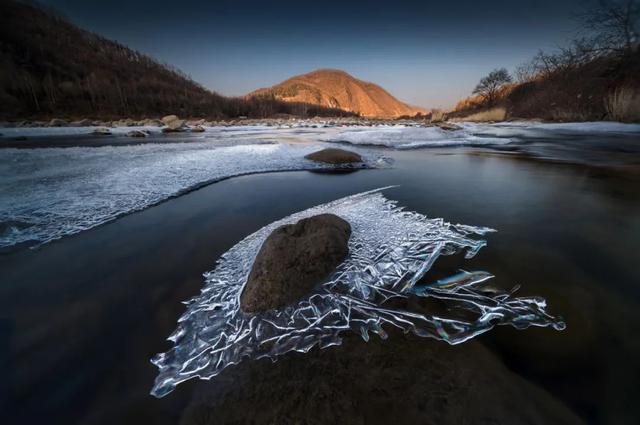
50,67
595,77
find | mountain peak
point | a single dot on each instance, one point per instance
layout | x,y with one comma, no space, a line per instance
336,88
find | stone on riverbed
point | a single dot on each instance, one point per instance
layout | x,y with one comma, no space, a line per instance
293,260
334,156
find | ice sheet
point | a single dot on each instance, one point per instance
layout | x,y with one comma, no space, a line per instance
476,134
413,137
389,251
48,193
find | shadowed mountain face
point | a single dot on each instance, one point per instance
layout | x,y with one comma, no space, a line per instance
337,89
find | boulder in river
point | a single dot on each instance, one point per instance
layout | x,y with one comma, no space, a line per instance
197,129
293,260
102,131
82,123
57,122
174,126
137,133
334,156
448,126
168,118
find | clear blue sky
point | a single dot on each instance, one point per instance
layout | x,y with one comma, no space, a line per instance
426,53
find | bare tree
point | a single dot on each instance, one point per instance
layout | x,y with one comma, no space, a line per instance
490,86
614,26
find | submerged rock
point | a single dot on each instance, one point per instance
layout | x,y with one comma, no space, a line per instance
414,382
334,156
197,129
294,259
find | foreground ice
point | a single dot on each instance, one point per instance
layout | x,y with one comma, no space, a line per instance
389,251
52,192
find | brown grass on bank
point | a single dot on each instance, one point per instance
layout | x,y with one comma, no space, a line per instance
623,104
437,115
494,114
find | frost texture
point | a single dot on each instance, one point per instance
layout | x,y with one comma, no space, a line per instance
399,137
389,251
49,193
475,134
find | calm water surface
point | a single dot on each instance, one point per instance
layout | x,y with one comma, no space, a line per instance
80,317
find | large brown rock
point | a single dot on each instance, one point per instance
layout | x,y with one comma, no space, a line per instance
293,260
168,118
334,156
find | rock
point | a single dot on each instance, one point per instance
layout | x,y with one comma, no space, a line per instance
82,123
448,126
334,156
137,133
150,123
174,126
167,119
293,260
124,123
56,122
402,380
197,129
102,131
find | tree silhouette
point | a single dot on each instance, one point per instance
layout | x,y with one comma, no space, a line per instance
489,87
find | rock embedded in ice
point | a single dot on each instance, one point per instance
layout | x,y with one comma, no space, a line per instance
334,156
293,260
390,250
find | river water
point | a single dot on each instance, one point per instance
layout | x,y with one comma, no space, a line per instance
82,314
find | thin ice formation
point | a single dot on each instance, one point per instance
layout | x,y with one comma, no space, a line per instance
48,193
389,251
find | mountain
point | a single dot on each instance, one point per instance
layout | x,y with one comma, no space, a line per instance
337,89
50,67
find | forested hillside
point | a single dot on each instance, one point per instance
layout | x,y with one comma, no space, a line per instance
50,67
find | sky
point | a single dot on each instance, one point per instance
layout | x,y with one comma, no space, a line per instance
426,53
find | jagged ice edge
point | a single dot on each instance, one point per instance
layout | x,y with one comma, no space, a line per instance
389,251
